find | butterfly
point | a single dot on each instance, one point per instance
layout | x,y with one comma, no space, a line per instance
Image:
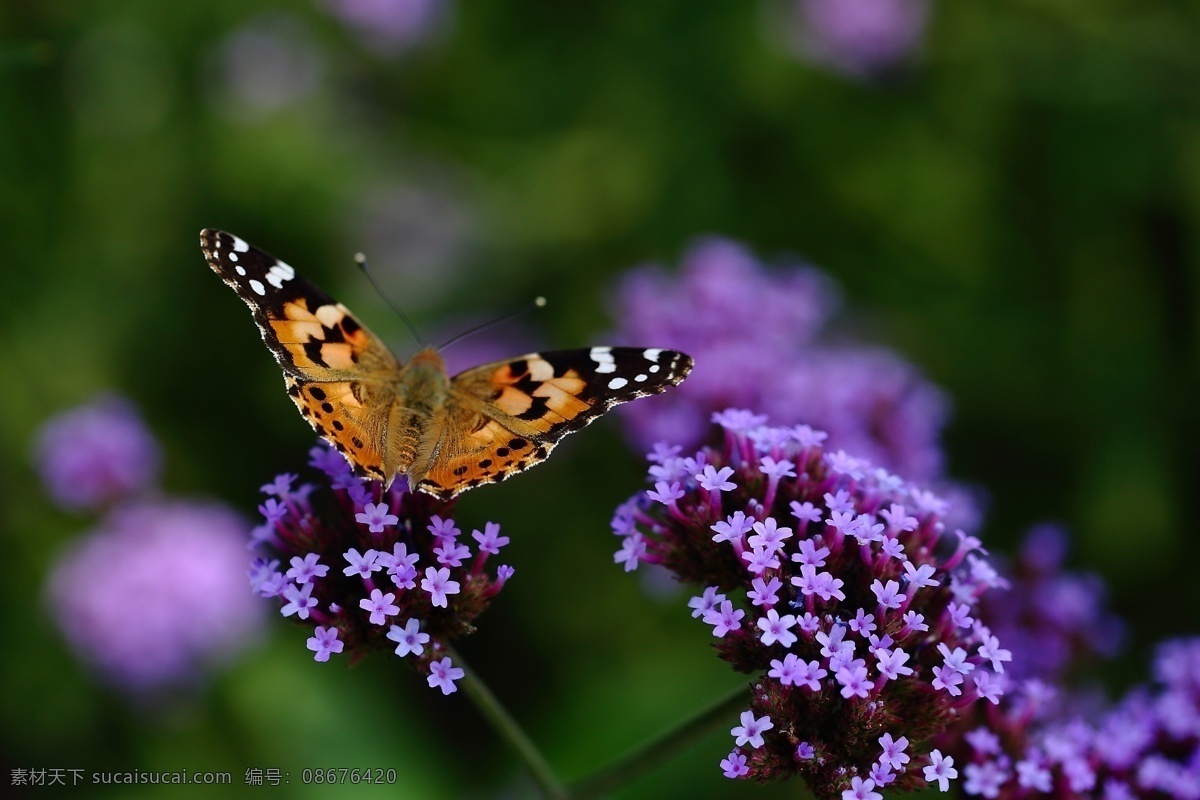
446,434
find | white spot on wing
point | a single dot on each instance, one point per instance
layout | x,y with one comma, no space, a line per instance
279,273
617,383
257,287
655,368
639,378
651,353
238,244
241,271
233,256
604,359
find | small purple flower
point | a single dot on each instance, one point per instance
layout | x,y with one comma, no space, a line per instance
716,481
409,639
452,554
96,454
709,600
443,529
751,730
281,487
893,751
724,618
273,511
861,790
299,600
665,493
323,642
940,770
633,548
734,765
437,582
763,593
787,671
376,516
490,541
362,564
733,528
776,629
442,675
379,606
304,570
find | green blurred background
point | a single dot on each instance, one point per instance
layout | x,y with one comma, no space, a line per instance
1015,210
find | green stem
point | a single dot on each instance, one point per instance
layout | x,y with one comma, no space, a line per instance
508,729
663,748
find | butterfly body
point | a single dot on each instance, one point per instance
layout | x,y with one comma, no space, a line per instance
389,418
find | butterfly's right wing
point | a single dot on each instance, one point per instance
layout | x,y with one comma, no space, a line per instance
338,373
504,417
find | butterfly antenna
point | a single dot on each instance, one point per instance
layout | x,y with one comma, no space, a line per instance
361,260
538,302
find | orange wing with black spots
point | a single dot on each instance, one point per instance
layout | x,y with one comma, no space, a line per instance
446,435
504,417
337,372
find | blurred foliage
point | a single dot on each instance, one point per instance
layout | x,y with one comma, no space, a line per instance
1017,212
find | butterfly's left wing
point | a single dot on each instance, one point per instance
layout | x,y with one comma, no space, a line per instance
504,417
338,373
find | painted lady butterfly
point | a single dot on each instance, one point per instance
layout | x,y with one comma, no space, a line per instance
446,434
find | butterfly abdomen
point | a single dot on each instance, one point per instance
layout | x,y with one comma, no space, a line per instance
413,423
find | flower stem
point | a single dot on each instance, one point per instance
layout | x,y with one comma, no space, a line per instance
663,748
509,730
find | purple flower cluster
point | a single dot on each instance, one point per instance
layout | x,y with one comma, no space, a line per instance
96,454
1053,619
391,26
859,38
1146,746
373,569
155,595
871,401
838,586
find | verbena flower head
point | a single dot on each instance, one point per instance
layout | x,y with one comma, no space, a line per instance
1053,619
96,454
1146,746
269,64
155,596
391,26
835,584
368,569
860,38
755,336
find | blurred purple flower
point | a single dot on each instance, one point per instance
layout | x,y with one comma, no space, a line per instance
753,333
265,66
373,569
96,454
416,233
1146,746
860,38
156,595
391,26
1053,620
821,579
